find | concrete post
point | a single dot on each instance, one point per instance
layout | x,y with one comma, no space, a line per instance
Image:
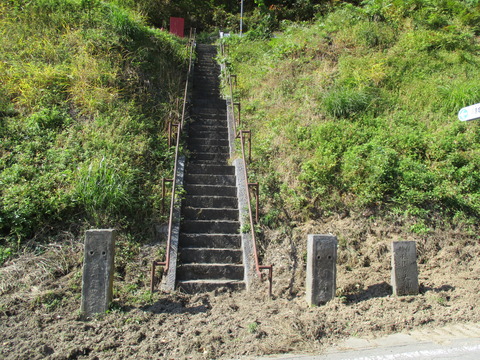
321,268
404,268
98,268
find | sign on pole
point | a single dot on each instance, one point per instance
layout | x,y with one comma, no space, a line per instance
177,26
469,113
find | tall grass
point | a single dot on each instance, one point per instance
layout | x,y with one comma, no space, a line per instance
369,116
82,81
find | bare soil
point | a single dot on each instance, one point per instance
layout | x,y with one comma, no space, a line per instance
40,299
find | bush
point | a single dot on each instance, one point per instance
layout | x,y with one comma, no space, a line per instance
370,172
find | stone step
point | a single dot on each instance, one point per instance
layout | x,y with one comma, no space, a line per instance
207,90
206,83
207,179
219,113
210,271
209,119
210,227
209,122
207,71
206,141
210,169
206,104
201,76
231,241
215,127
218,202
200,97
210,256
206,111
207,158
208,135
209,112
205,65
205,131
210,190
203,79
209,85
201,286
217,161
209,161
212,214
203,69
215,190
209,149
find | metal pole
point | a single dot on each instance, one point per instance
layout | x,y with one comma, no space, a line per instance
241,18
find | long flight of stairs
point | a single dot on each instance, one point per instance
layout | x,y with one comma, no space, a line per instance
210,254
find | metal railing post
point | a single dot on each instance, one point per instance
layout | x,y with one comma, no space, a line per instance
179,126
241,134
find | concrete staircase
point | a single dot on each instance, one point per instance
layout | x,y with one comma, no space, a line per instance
210,253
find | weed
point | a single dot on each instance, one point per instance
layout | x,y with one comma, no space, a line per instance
440,299
420,228
345,102
161,252
245,228
49,300
252,328
5,253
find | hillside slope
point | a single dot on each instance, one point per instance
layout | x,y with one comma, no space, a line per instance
359,111
354,133
87,90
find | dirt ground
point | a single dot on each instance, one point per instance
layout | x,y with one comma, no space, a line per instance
40,300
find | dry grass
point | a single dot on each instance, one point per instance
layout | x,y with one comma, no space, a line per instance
31,270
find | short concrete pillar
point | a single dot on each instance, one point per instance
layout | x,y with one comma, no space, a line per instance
321,268
404,268
98,268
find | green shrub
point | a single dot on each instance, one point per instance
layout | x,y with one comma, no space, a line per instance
5,253
105,188
370,172
374,34
342,102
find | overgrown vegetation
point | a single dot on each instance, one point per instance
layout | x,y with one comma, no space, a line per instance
86,91
205,15
356,112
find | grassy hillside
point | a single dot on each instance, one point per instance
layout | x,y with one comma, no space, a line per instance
356,113
86,92
355,133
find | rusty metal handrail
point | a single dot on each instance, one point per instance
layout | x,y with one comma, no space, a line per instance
241,135
166,263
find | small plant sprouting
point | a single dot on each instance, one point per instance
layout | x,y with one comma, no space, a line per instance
245,228
253,327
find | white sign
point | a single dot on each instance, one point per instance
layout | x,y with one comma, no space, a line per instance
469,113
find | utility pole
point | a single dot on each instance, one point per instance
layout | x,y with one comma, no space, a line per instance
241,17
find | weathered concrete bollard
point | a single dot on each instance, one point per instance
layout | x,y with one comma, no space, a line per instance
97,282
321,268
404,268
